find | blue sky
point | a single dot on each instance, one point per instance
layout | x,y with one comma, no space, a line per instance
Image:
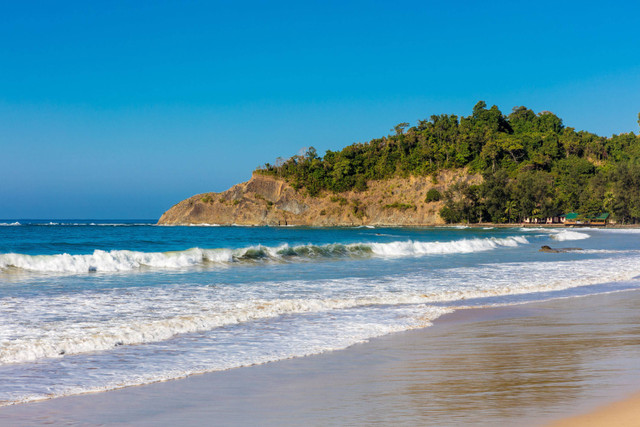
121,109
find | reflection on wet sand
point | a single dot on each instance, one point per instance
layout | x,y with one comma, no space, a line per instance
542,360
539,361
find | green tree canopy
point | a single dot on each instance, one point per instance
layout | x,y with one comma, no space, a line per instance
531,163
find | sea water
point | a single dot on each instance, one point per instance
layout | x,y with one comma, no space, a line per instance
88,306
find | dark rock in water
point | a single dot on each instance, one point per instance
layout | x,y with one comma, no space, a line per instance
546,248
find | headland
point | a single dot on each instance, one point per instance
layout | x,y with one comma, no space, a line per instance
485,168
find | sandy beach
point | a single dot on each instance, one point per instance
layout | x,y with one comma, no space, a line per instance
528,364
625,413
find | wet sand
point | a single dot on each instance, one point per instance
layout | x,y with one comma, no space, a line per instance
519,365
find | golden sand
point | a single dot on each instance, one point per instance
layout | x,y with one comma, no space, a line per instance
625,413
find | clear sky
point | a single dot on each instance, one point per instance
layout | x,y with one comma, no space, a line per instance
119,109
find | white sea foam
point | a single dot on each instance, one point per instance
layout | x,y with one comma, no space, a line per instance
66,338
55,326
619,230
9,224
569,235
112,261
608,251
413,248
336,332
125,260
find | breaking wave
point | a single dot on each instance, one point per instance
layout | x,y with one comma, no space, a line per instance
411,248
125,260
563,235
90,337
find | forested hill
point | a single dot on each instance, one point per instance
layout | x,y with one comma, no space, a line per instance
532,165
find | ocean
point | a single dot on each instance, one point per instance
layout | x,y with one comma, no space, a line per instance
88,306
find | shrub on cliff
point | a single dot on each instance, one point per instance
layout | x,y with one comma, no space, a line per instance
433,195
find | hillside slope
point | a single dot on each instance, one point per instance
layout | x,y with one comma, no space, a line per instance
267,200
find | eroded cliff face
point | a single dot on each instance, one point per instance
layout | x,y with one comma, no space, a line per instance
265,200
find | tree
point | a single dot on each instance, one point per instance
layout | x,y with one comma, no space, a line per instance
495,195
311,154
549,122
399,128
433,195
479,109
513,146
522,120
510,208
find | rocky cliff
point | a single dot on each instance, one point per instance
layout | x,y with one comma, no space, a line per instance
265,200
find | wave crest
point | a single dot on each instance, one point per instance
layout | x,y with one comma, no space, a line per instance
411,248
564,235
125,260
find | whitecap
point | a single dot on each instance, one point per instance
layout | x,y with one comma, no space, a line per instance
569,235
413,248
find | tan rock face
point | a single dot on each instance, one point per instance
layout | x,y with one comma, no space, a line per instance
265,200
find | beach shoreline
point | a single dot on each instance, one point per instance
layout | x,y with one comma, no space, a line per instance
532,363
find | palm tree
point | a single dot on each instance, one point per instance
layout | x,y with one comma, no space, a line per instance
510,207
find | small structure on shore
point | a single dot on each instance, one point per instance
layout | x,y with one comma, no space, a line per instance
548,220
577,219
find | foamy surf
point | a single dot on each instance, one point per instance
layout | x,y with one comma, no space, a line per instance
157,314
412,248
341,330
111,261
125,260
565,235
67,339
619,230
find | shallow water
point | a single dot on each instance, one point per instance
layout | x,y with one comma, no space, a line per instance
521,365
90,306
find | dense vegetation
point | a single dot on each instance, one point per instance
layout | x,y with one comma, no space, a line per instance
533,166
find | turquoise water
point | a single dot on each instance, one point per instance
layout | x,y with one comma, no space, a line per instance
97,305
